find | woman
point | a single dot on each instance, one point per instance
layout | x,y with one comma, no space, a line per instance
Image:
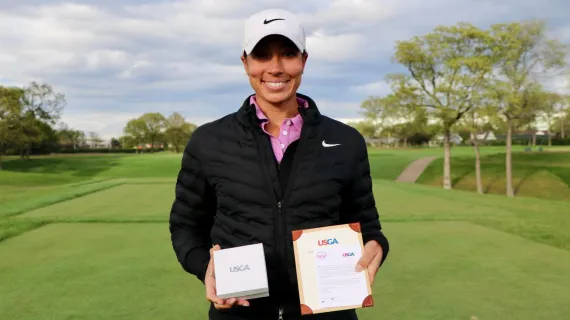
273,166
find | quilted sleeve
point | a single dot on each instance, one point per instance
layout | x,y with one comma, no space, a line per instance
191,215
358,200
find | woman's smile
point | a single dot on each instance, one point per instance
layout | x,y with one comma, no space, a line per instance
275,85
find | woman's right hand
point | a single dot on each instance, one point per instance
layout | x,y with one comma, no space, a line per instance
210,283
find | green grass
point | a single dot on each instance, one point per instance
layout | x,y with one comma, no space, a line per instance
12,228
543,221
91,241
453,270
543,175
58,170
125,202
437,270
95,271
27,200
75,168
387,164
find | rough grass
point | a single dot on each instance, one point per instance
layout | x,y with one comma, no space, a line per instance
387,164
68,169
542,175
12,228
543,221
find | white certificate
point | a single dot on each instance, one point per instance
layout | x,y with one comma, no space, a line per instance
326,259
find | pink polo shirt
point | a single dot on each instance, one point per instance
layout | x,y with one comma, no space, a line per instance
289,132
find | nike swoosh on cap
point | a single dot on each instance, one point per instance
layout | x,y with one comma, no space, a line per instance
269,21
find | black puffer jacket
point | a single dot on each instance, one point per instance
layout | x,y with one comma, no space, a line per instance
230,191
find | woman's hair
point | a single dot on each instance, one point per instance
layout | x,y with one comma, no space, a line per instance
245,54
288,42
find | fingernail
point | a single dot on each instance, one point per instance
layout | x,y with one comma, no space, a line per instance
359,268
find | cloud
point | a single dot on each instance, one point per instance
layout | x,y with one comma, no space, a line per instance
377,88
339,109
335,48
129,57
100,122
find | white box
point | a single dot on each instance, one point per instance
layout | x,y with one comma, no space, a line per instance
241,272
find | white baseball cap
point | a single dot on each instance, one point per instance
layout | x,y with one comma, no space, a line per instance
271,22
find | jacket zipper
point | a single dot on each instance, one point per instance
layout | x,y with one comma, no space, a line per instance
278,217
282,222
282,252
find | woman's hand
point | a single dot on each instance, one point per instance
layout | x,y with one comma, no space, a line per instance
210,283
371,259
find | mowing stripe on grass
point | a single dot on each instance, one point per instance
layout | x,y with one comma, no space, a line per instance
542,221
87,182
125,202
170,183
19,207
11,228
157,220
171,180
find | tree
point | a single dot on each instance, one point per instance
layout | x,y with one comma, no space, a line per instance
127,141
10,110
94,139
115,143
366,128
377,110
178,131
476,122
40,105
445,68
412,118
148,128
561,123
522,50
554,105
71,137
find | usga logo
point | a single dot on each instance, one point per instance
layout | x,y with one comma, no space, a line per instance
328,242
348,254
239,268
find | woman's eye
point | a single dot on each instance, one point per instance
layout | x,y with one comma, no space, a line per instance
261,55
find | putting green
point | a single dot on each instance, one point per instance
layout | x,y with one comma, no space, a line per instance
436,270
125,202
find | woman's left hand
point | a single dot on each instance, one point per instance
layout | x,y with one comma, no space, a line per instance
371,259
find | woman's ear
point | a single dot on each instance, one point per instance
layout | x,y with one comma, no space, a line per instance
244,61
305,57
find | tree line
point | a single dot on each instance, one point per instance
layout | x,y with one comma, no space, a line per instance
30,123
148,133
471,80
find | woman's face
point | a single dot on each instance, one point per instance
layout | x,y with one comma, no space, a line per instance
275,67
